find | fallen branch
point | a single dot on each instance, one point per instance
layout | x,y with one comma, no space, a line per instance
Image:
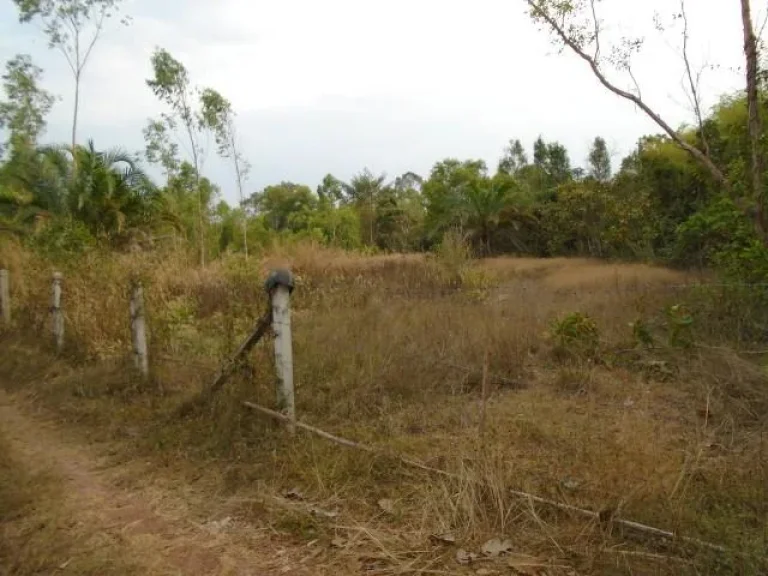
620,521
229,366
328,436
344,442
637,526
226,369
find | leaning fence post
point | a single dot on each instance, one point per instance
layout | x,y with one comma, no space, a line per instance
139,330
57,316
5,298
279,286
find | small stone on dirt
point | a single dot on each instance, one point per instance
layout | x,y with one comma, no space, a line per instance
323,513
463,557
294,494
217,526
444,538
496,547
387,505
570,484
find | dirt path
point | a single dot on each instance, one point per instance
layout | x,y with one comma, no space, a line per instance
148,528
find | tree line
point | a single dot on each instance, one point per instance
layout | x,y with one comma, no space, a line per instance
688,196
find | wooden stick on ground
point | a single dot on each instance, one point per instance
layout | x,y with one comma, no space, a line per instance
637,526
323,434
343,441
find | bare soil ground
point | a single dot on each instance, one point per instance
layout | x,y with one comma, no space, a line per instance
119,530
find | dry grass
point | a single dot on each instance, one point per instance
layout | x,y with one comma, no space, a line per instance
389,351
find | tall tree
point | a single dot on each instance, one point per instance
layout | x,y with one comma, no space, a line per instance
407,182
285,205
599,161
160,147
558,163
513,159
364,190
755,121
445,193
73,27
330,190
217,116
540,155
26,104
171,84
577,26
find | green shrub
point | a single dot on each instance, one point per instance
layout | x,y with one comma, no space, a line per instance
679,325
576,334
61,238
641,333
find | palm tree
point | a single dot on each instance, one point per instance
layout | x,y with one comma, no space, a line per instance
364,191
33,184
109,191
483,201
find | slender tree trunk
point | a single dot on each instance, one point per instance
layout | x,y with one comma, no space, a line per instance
755,124
200,223
372,216
239,177
245,234
74,118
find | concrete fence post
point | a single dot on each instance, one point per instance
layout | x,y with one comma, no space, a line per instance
57,316
279,286
139,330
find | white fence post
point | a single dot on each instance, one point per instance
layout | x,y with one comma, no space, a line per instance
139,330
279,287
5,297
57,316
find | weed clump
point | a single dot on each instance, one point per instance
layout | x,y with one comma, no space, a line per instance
575,335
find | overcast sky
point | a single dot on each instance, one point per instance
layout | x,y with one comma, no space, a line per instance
392,85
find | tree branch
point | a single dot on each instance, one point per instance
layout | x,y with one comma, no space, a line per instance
96,35
693,85
69,60
596,57
697,154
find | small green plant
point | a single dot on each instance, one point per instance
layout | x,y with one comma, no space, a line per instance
641,333
679,325
576,334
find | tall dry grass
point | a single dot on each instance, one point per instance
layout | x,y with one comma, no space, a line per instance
390,350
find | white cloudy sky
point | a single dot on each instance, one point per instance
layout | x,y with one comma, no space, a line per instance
393,85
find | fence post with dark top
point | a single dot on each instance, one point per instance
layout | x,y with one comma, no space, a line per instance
279,286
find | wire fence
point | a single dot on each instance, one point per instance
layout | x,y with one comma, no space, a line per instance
220,314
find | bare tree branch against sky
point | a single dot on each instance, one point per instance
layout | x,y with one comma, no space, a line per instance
392,85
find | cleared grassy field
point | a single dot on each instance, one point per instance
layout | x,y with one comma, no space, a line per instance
616,388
